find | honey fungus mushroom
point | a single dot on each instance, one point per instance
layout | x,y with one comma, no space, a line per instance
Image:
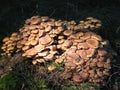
9,44
88,56
84,54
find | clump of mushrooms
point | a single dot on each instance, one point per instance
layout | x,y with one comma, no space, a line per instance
45,39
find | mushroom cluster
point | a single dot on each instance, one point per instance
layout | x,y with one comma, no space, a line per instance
86,57
9,46
84,53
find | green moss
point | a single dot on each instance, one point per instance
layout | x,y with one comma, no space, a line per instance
9,82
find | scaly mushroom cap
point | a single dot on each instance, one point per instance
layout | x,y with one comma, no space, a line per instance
92,43
45,40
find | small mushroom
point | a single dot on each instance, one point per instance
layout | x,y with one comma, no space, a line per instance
67,32
67,43
43,53
35,21
30,52
34,62
33,42
39,48
14,34
102,53
82,46
82,54
90,52
25,48
49,57
92,43
6,39
97,37
48,28
45,40
77,78
40,60
34,31
100,64
51,68
41,32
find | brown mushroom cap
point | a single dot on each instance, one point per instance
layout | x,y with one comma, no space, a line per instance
14,34
82,54
77,78
97,37
51,67
49,57
25,48
40,60
45,40
43,53
100,64
6,39
33,42
90,52
67,32
92,43
102,52
35,20
34,62
31,52
82,46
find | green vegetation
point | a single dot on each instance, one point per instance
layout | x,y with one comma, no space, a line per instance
10,82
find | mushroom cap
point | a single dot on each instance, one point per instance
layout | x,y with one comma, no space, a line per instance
44,18
6,39
45,40
51,67
25,48
102,53
92,43
33,42
77,78
67,32
34,62
70,65
39,48
40,60
14,34
82,45
90,52
79,34
67,43
48,28
35,31
41,32
3,47
35,21
60,37
82,53
100,64
108,60
43,53
31,52
97,37
84,75
49,57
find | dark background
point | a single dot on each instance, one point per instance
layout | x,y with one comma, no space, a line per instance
13,13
